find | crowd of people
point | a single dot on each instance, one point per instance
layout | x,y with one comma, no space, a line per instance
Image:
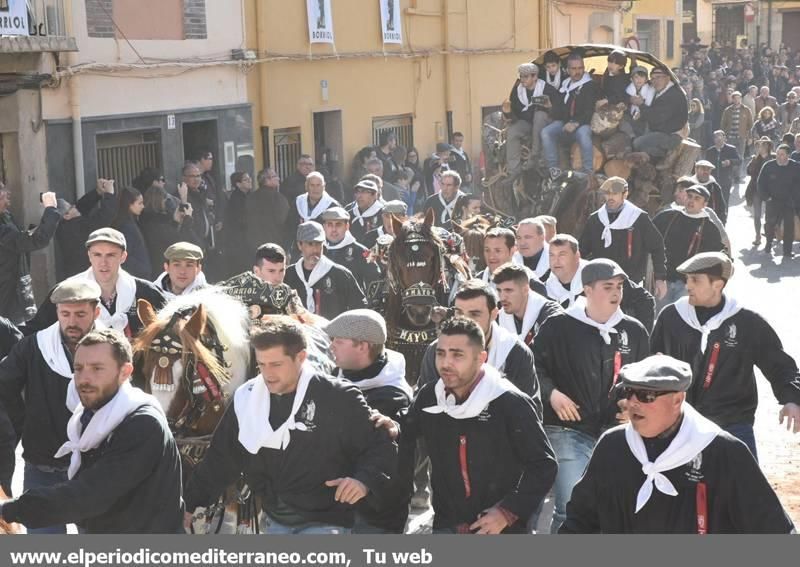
557,368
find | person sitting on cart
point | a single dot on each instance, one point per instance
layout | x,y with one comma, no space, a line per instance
665,117
614,80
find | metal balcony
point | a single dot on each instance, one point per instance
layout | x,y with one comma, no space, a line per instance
47,30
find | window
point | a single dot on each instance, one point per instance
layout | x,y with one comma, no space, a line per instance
149,19
670,39
287,150
401,125
648,33
122,155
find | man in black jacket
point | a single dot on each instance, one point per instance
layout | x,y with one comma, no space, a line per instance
723,342
124,466
524,310
120,290
664,117
778,184
15,244
267,212
727,161
444,202
578,357
572,120
303,440
364,213
717,198
623,232
640,479
343,249
491,463
357,344
34,379
325,288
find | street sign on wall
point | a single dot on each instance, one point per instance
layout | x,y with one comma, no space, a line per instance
13,17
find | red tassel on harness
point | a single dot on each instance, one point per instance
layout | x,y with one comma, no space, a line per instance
712,366
212,390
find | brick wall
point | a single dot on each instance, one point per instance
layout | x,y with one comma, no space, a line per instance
194,19
98,21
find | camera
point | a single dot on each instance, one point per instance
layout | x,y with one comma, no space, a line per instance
183,207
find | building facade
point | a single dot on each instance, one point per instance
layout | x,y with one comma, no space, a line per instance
655,26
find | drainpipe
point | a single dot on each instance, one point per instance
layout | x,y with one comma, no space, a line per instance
769,23
446,47
75,110
261,46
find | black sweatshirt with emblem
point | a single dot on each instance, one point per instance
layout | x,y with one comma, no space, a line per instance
573,358
353,257
336,292
727,394
339,441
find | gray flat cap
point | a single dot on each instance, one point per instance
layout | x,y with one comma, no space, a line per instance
639,70
699,190
335,214
183,251
443,147
75,291
657,373
685,180
310,231
358,325
601,269
528,69
109,235
395,208
614,185
367,185
705,163
711,263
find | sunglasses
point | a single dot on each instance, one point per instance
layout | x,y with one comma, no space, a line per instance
644,396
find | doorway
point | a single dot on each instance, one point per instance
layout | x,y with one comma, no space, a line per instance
791,30
201,136
328,141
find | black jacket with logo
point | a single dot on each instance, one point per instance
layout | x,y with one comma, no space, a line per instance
684,237
354,258
337,292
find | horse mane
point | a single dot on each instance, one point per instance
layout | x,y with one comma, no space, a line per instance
473,231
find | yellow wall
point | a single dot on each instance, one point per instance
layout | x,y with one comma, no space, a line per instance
662,10
364,83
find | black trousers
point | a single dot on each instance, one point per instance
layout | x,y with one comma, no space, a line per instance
778,213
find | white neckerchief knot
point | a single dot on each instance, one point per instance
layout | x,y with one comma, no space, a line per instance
627,217
320,271
542,266
557,292
578,311
448,208
522,93
688,313
126,296
491,387
343,243
302,206
569,85
532,310
198,282
372,210
392,374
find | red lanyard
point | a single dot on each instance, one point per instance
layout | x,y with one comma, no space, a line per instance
317,298
712,366
702,509
462,460
617,367
630,244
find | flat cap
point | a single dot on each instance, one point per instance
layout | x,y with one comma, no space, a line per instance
75,290
736,93
601,269
358,325
335,214
685,180
614,185
528,69
367,185
659,71
109,235
310,231
705,163
183,251
657,373
765,140
699,190
395,208
639,70
443,147
711,263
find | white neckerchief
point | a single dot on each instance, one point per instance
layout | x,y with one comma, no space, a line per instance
302,206
532,310
392,374
541,266
373,210
689,315
701,215
557,292
491,387
51,346
251,402
126,296
502,343
696,181
659,93
320,270
460,152
127,400
647,92
695,434
522,93
569,86
578,311
627,216
199,281
447,213
555,81
343,243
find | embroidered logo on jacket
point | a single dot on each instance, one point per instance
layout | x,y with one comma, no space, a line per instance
695,473
624,346
307,413
730,336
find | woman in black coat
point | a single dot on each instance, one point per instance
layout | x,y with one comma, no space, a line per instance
131,205
164,222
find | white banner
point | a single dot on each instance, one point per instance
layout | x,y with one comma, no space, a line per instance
13,18
320,21
390,21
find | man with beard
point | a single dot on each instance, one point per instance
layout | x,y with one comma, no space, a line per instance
325,288
524,311
341,247
183,270
564,285
718,200
124,466
365,211
358,340
33,389
476,301
687,231
532,250
120,290
491,463
578,357
723,342
444,203
669,469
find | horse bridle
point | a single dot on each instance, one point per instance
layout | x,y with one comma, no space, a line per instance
414,238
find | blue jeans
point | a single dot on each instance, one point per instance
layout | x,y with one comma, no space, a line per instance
675,290
276,528
573,449
36,477
553,136
744,433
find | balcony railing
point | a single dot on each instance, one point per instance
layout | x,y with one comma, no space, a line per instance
47,30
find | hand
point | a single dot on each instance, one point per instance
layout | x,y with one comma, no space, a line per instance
790,412
108,186
725,163
387,423
570,127
661,289
183,193
491,521
547,104
218,227
565,408
49,199
188,210
348,490
187,520
637,100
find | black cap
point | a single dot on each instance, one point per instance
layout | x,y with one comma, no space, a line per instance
699,190
443,147
601,269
